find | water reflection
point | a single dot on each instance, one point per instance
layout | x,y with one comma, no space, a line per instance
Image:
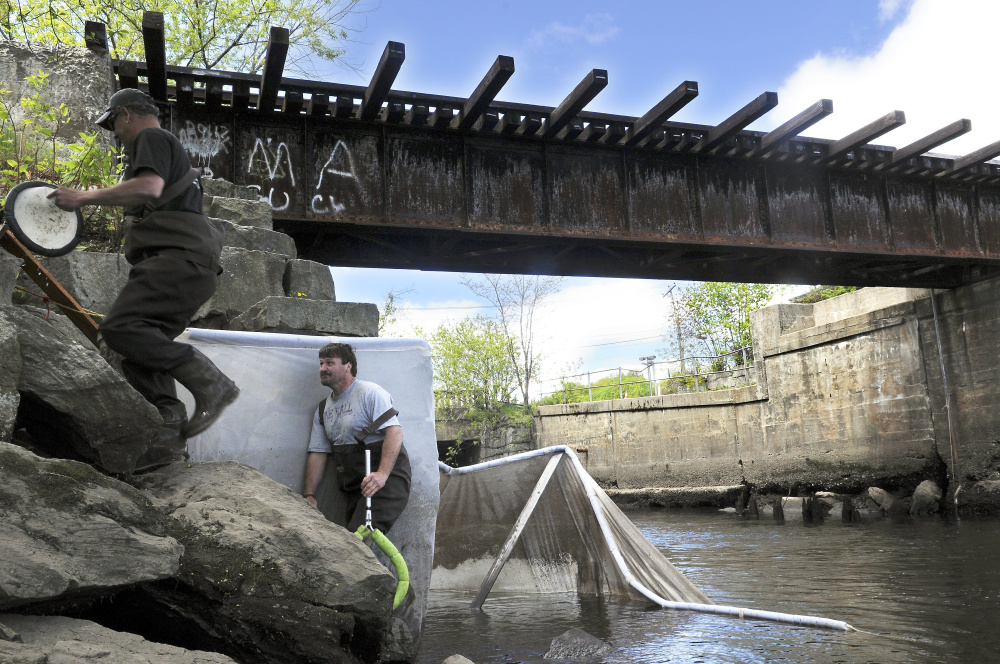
921,591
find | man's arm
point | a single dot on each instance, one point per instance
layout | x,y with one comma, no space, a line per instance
315,467
143,188
390,450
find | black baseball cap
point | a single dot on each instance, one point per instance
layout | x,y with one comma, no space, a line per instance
124,97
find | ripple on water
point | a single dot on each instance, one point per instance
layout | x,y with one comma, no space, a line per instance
922,591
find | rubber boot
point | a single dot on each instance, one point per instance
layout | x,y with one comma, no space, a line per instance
212,391
170,447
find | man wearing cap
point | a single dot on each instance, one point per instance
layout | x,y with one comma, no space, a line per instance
174,250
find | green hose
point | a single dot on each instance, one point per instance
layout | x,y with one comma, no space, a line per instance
389,549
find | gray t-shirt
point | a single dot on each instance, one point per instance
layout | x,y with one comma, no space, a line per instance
348,413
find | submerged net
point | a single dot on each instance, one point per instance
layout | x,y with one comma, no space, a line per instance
563,546
537,522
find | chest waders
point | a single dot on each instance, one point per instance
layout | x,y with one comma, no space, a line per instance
350,459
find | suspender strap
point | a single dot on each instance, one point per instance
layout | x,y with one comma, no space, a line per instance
368,430
373,427
174,190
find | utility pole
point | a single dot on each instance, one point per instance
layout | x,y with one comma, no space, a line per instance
677,322
648,361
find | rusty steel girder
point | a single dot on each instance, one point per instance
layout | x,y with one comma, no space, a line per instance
369,176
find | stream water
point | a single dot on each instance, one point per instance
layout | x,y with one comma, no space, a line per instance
924,590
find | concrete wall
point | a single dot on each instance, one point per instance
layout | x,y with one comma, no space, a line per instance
849,394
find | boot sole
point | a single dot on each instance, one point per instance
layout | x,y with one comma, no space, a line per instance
230,397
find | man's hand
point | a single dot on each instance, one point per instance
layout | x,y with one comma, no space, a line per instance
311,501
68,199
371,484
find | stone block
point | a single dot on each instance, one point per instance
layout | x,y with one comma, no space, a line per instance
93,279
259,239
226,189
308,279
77,76
9,268
247,277
303,316
242,212
10,370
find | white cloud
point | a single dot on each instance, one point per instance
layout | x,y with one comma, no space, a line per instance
935,66
595,29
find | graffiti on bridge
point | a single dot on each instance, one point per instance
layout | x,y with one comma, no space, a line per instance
204,142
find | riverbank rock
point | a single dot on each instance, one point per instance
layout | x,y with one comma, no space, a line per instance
926,499
59,640
69,534
264,576
10,370
71,400
457,659
577,645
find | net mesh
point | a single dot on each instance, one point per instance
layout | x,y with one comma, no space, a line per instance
562,548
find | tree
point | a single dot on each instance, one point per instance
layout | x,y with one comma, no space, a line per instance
719,313
473,377
208,34
517,298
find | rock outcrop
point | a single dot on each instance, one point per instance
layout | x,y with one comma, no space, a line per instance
56,639
70,534
70,400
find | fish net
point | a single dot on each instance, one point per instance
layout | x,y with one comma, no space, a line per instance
574,538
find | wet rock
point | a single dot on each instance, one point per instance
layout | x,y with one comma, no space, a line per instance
247,277
308,279
577,644
882,498
71,400
59,640
457,659
69,533
982,497
264,576
292,315
926,499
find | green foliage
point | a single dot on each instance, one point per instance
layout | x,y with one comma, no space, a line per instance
821,293
719,314
208,34
30,149
633,384
472,376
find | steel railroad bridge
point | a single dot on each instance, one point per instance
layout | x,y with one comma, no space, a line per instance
375,177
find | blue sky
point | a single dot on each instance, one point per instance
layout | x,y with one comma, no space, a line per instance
930,58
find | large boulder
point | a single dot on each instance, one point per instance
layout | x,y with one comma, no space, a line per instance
72,401
294,315
309,279
93,279
926,498
60,640
269,576
577,645
69,534
247,278
9,269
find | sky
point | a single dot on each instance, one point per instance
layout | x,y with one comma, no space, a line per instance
932,59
